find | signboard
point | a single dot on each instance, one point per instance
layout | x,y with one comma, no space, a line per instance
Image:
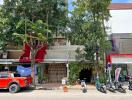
121,60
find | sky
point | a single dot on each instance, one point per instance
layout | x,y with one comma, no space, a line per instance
1,1
122,1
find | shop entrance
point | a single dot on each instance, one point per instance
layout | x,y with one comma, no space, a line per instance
55,72
86,74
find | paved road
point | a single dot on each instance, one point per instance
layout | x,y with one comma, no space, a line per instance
60,95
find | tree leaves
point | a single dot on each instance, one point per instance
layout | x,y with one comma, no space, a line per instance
87,26
35,30
52,13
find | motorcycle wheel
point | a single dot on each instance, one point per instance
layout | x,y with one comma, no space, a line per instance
112,90
130,87
84,90
103,90
122,90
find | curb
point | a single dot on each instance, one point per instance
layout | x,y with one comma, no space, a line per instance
41,88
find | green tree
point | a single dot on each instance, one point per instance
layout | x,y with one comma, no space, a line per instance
3,26
34,36
87,27
31,21
51,12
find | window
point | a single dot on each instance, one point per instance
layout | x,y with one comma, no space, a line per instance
17,75
4,75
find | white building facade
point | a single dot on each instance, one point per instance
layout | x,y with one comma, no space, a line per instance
120,33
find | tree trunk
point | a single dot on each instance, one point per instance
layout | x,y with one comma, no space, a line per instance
33,66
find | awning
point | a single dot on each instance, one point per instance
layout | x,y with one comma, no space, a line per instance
8,61
5,62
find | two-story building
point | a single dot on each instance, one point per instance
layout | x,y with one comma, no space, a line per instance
54,66
120,34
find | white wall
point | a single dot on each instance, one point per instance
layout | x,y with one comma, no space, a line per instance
120,21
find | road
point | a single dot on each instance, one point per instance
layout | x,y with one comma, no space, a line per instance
60,95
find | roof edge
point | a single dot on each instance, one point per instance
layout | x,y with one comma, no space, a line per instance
120,6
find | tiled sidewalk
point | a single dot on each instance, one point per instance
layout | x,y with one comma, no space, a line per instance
57,86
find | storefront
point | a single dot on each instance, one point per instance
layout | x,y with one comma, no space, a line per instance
123,61
52,72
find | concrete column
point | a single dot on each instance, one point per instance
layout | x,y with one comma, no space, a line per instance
67,66
129,66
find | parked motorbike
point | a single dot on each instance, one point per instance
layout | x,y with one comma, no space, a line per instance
110,86
84,86
100,87
118,87
130,83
